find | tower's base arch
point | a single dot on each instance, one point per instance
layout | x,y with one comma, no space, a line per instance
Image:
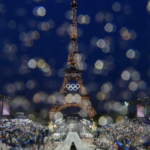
83,104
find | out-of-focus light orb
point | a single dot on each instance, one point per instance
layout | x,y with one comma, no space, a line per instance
125,75
133,35
107,96
83,19
46,68
47,74
106,87
51,99
108,106
130,53
43,113
133,86
60,31
12,24
35,35
82,65
2,8
117,106
109,17
106,49
26,104
80,32
30,84
148,6
99,64
100,96
100,43
41,63
10,88
137,54
41,96
32,63
51,23
36,98
40,120
102,121
29,42
68,15
142,85
135,76
86,19
44,26
61,73
109,120
99,17
119,118
41,11
19,86
23,36
35,11
58,115
83,113
80,57
125,33
17,102
10,48
116,6
77,98
126,95
94,41
20,101
31,117
142,94
124,110
69,98
108,27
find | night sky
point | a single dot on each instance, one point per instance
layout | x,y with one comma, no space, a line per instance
114,45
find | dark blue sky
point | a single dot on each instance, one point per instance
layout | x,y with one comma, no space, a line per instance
123,26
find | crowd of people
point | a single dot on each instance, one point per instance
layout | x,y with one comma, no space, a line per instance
24,134
129,134
125,134
19,133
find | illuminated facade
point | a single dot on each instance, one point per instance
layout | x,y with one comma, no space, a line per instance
73,73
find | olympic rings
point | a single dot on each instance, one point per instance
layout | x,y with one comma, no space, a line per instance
72,87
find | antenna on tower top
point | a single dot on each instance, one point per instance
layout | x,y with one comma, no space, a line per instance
74,3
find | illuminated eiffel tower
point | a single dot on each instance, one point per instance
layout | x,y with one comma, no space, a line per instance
73,73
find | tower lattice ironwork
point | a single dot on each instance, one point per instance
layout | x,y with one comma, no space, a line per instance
73,72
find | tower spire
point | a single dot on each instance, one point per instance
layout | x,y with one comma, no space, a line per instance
74,3
73,60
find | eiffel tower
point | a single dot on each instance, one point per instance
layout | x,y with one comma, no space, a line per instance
73,73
